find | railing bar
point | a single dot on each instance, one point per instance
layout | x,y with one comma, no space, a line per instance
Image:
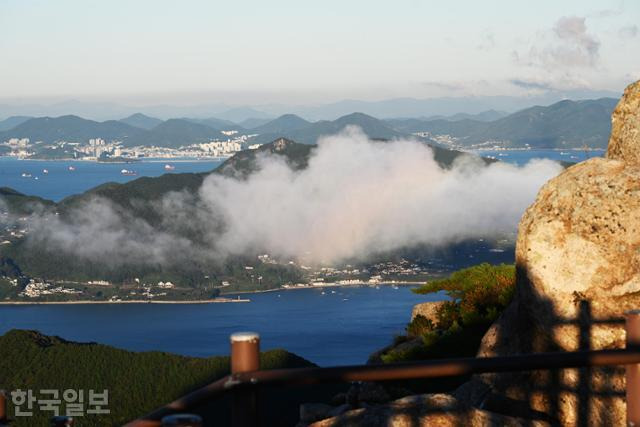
438,368
398,371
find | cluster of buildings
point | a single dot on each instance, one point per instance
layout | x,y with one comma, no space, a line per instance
35,289
400,268
147,293
98,148
372,275
19,147
220,148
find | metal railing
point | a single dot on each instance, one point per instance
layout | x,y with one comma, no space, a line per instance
245,376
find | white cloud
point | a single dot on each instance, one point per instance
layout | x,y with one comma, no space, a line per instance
356,198
567,45
359,197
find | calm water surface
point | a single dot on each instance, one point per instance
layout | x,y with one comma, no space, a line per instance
521,157
338,328
60,182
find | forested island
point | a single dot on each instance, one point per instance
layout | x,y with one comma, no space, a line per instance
31,270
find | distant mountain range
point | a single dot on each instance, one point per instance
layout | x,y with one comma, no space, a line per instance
385,108
485,116
565,124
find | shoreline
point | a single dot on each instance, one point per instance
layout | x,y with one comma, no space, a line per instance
147,160
474,150
355,285
205,301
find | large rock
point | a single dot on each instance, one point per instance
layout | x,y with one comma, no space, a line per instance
427,309
578,271
624,143
424,411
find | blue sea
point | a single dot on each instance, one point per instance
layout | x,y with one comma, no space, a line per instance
331,329
521,157
338,328
60,182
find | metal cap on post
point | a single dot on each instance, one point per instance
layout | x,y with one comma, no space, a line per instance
245,357
632,326
245,352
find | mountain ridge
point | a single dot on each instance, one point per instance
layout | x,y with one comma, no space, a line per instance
565,124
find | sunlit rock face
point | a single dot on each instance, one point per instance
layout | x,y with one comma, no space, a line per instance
578,271
624,143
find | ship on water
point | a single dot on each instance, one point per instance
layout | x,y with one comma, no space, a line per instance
169,167
128,172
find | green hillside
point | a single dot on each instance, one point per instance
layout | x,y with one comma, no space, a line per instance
282,124
141,121
218,124
21,204
175,133
137,382
565,124
70,128
309,134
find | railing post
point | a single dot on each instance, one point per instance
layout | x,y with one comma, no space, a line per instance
245,357
632,326
3,407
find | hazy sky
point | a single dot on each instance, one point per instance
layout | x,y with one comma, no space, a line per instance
149,51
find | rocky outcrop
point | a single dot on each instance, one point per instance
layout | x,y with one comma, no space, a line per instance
624,143
424,410
428,310
578,271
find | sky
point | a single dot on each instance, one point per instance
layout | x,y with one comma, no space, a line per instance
284,51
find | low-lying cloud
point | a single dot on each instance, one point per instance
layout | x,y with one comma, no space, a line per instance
356,198
359,197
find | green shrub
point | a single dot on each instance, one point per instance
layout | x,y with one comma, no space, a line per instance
419,325
478,295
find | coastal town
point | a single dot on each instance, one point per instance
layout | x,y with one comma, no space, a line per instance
98,149
24,289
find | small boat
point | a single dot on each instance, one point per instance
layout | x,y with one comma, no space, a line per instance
71,168
395,287
45,171
169,167
564,153
26,175
128,172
